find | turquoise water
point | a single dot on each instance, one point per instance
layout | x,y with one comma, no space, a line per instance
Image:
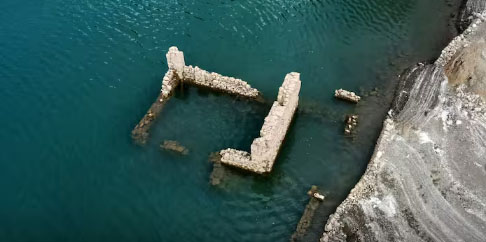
76,77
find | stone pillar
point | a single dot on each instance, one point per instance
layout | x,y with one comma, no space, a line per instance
175,61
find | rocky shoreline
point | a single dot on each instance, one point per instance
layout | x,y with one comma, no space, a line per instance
426,180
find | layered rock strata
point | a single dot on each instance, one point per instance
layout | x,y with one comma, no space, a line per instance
426,180
180,73
264,150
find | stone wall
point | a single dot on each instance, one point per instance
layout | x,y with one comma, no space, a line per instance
264,150
198,77
180,73
140,132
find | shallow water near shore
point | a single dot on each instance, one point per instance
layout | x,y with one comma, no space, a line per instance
77,76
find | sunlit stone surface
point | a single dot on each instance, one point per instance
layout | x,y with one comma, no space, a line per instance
264,149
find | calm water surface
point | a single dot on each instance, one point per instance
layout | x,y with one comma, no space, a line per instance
76,76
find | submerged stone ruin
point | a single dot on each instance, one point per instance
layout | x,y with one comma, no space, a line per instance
174,146
264,149
305,221
140,132
347,95
219,172
179,73
351,123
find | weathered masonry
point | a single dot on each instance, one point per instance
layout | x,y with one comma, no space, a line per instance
305,221
264,149
347,95
180,73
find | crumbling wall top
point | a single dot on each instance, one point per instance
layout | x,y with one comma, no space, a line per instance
175,61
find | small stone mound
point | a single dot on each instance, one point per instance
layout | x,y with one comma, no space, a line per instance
351,123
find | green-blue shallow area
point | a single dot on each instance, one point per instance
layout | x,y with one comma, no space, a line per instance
77,76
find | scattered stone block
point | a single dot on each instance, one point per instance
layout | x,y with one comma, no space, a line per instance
347,95
351,123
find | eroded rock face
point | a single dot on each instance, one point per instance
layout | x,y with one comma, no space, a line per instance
468,67
427,178
470,8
